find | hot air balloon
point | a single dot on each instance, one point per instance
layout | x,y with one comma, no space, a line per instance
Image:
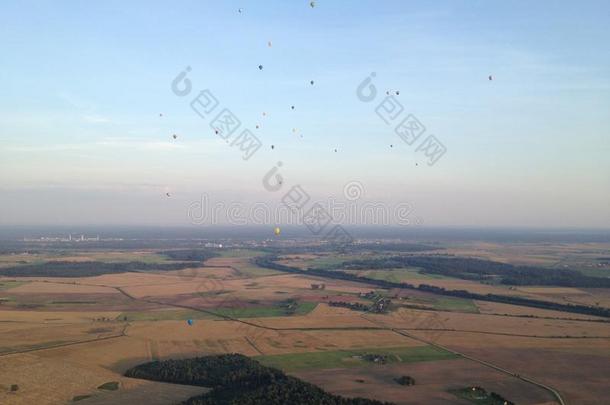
190,322
260,67
277,231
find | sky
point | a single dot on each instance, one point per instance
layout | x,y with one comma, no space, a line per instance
84,83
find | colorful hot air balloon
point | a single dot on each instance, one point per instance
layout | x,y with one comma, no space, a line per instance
190,322
277,231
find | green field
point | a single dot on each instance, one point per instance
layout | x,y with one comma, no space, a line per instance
350,358
456,304
302,308
6,285
398,275
442,304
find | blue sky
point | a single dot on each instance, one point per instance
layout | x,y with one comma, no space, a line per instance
83,84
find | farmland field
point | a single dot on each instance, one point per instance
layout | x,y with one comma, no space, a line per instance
352,358
87,331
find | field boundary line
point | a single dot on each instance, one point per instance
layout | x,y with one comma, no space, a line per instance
122,334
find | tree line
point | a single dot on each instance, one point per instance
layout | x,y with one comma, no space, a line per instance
189,255
269,262
237,379
86,269
484,270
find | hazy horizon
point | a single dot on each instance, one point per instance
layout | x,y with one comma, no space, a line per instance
301,232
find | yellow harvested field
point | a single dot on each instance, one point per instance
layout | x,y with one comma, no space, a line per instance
44,381
471,341
313,322
63,354
167,289
55,316
491,324
23,337
61,288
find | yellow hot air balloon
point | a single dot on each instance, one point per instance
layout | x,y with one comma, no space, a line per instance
277,231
